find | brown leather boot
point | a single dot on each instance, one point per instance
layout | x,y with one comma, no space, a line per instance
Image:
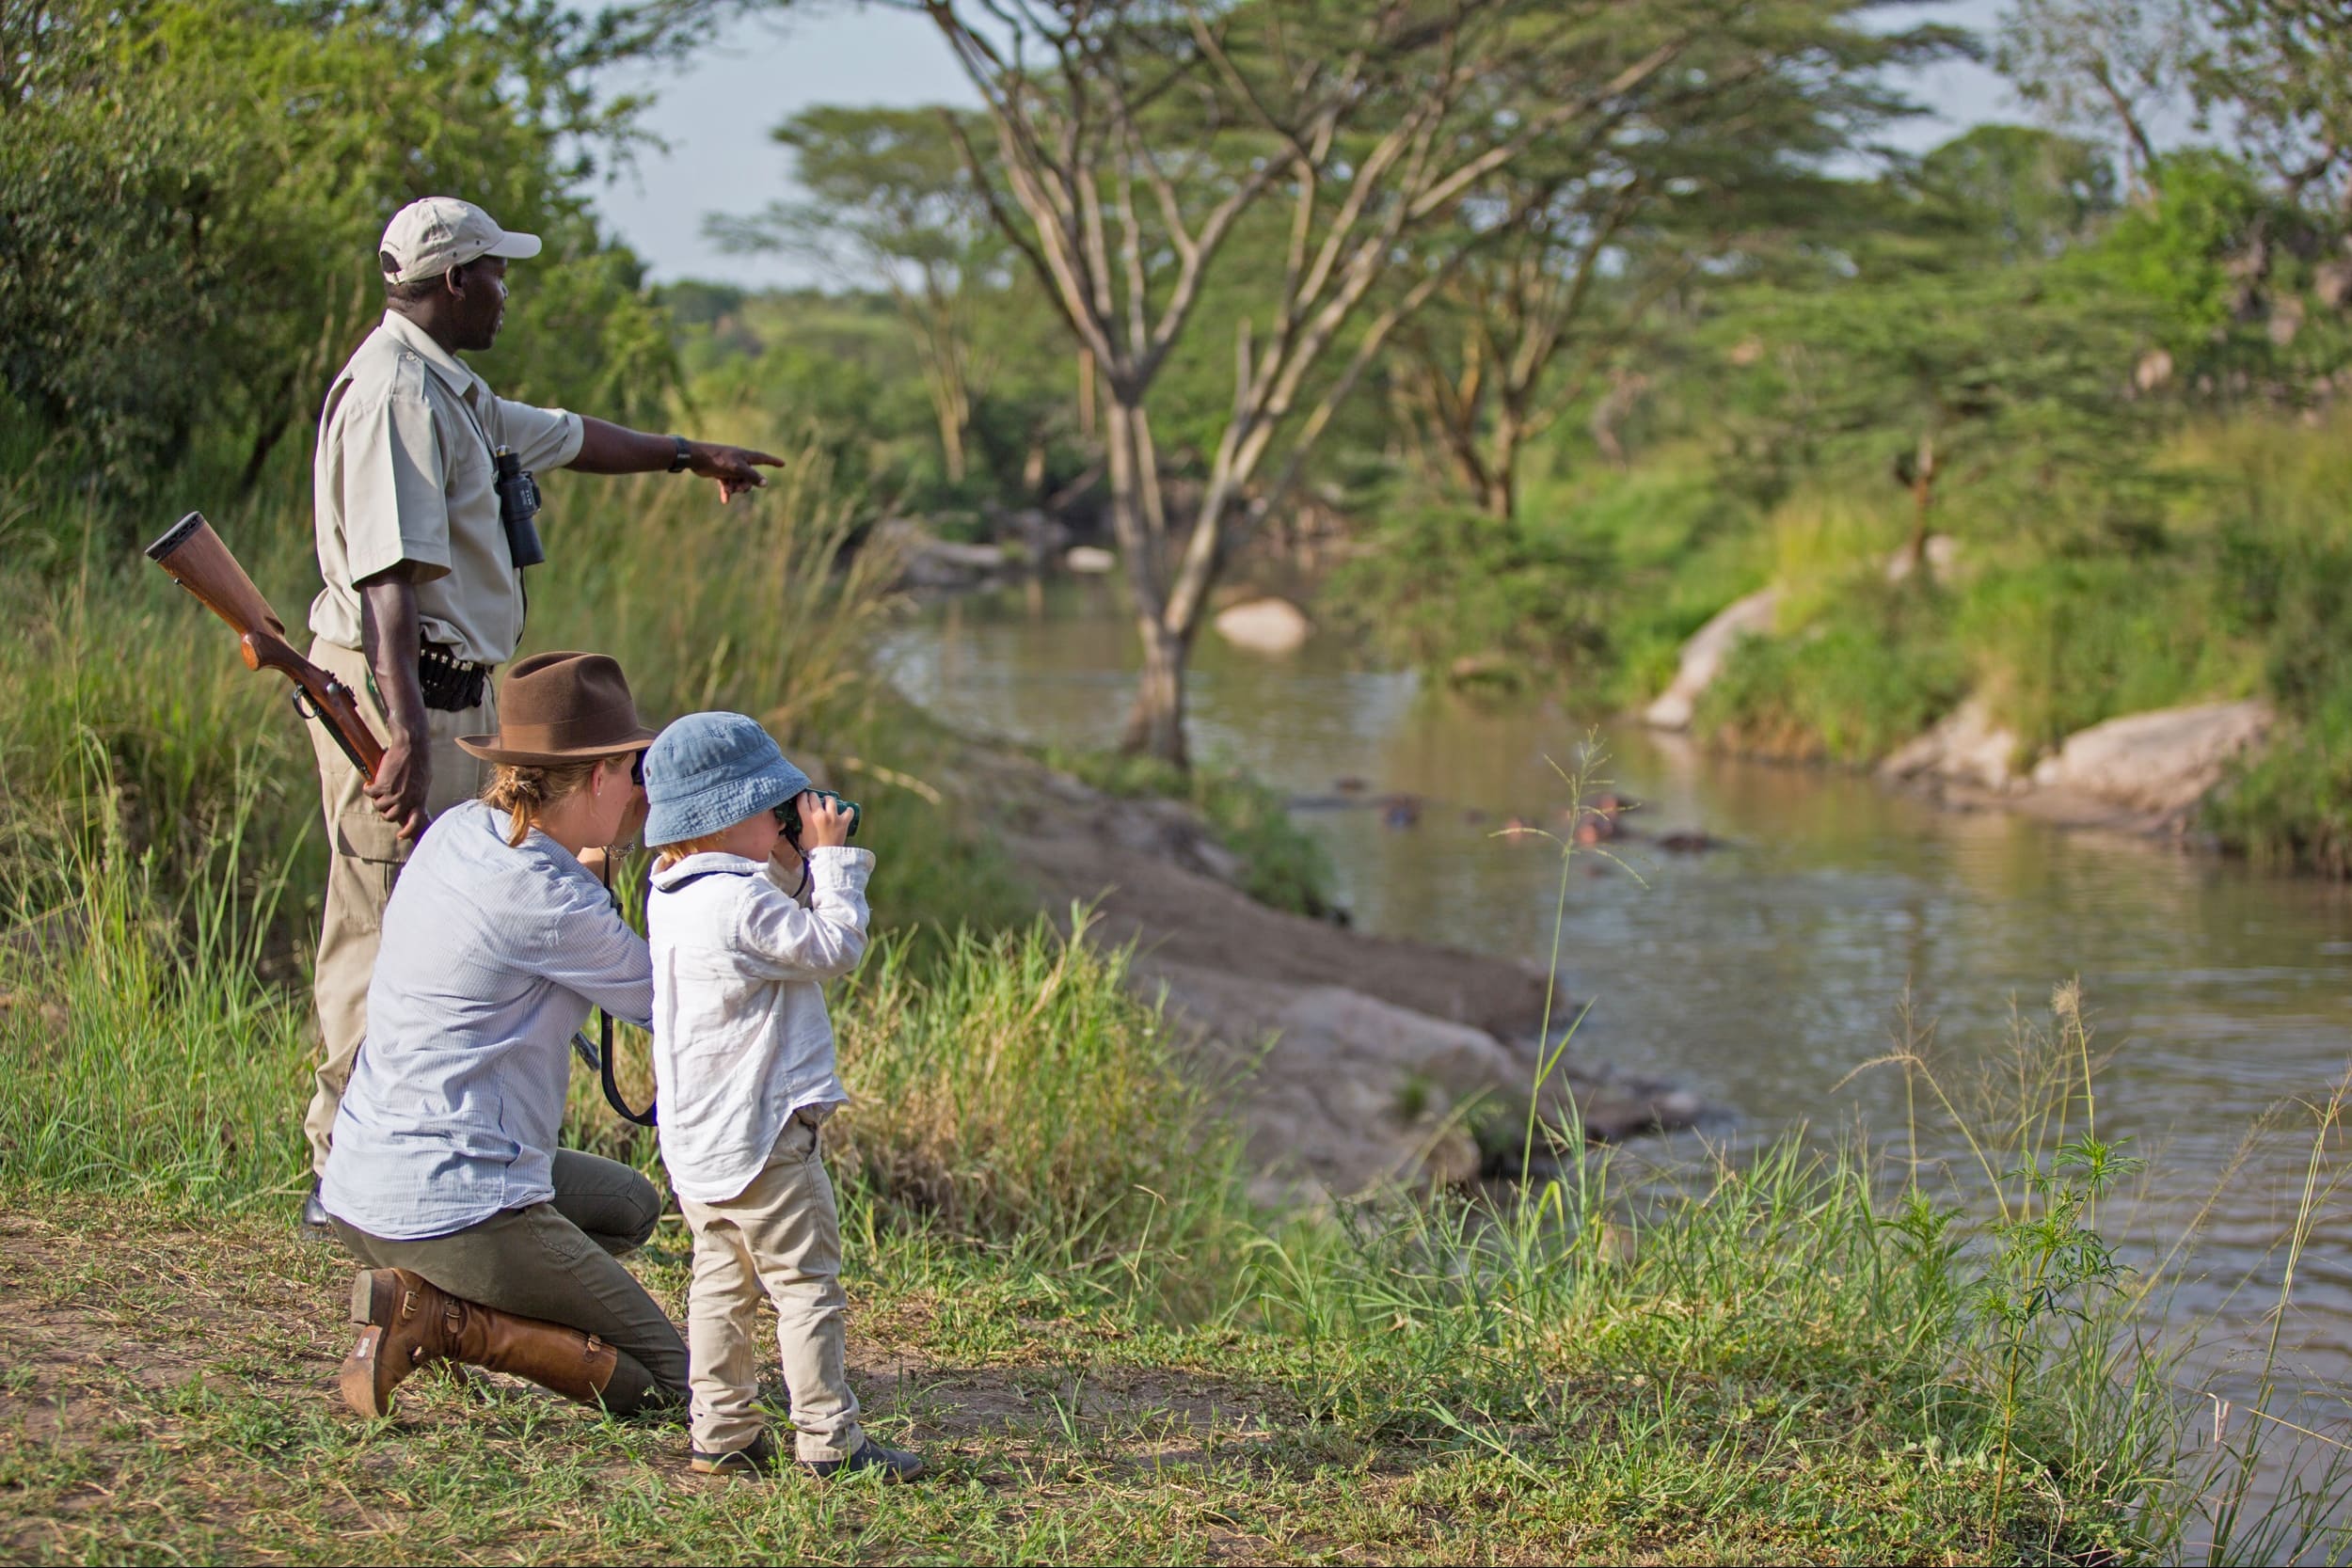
406,1322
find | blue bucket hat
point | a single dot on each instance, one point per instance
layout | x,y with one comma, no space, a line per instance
709,771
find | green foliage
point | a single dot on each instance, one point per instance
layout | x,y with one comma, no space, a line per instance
1830,690
2013,192
191,192
2060,644
2290,808
1484,598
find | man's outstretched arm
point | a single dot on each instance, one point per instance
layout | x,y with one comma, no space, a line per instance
606,448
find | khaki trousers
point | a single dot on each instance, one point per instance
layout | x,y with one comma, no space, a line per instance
559,1262
780,1236
365,856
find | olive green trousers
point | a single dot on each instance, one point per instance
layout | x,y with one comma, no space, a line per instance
560,1262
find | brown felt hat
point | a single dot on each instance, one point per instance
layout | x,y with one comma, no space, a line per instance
561,707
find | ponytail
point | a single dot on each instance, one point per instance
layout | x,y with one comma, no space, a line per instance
525,791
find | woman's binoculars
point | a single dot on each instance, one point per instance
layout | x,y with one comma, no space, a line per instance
518,502
789,813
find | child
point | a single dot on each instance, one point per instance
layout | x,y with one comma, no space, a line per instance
745,925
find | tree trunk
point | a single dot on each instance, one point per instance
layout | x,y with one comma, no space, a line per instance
264,442
1156,722
1499,494
1922,503
951,441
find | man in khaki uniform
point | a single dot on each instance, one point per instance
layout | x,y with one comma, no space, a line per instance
423,599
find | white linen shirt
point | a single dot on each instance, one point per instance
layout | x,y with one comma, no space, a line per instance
492,956
741,1037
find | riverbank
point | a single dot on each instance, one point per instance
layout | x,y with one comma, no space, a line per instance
1352,1061
2217,576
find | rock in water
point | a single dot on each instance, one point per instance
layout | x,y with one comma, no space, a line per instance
1088,560
1267,625
2160,763
1966,745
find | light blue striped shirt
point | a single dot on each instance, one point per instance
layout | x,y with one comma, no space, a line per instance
492,956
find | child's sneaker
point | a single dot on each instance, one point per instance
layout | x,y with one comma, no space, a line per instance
895,1464
756,1458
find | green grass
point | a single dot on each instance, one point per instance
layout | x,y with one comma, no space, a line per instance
1056,1431
1829,691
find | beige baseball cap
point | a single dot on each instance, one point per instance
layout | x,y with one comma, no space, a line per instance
427,238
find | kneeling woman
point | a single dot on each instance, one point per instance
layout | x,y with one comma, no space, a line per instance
483,1241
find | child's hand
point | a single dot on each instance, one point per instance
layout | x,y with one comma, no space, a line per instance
825,825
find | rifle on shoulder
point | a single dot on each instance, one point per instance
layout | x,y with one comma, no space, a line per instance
198,562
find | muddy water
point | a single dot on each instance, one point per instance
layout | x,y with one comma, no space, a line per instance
1762,973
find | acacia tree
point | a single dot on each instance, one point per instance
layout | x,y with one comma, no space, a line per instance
2096,65
1718,165
1135,137
1957,343
2283,71
889,198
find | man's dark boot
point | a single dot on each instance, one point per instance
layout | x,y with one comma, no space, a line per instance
895,1464
316,1227
406,1321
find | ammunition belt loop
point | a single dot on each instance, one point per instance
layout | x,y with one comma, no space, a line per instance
449,683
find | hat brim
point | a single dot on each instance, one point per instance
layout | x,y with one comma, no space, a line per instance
488,749
514,246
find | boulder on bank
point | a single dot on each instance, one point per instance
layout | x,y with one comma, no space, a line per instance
2156,765
1942,548
1264,625
1088,560
1338,1092
927,562
1703,656
1966,745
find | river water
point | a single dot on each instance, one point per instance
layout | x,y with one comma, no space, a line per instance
1761,974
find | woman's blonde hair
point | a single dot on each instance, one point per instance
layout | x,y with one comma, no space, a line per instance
525,791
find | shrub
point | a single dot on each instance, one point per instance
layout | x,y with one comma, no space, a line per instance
1479,597
1014,1096
1880,666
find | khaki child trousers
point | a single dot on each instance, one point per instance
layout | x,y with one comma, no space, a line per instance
780,1236
366,853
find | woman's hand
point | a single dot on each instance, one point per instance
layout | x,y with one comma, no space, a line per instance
824,824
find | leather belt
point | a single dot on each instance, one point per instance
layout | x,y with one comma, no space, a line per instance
448,682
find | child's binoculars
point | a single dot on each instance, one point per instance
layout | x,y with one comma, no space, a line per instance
789,813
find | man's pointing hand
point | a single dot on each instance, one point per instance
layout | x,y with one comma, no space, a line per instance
735,468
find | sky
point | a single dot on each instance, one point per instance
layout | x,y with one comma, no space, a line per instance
714,112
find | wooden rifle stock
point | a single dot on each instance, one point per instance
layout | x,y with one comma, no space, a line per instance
198,562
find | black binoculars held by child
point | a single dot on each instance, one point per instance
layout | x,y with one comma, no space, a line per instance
789,814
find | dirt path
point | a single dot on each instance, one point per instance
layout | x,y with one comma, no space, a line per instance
168,1391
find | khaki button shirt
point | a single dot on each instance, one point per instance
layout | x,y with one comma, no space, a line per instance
404,473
